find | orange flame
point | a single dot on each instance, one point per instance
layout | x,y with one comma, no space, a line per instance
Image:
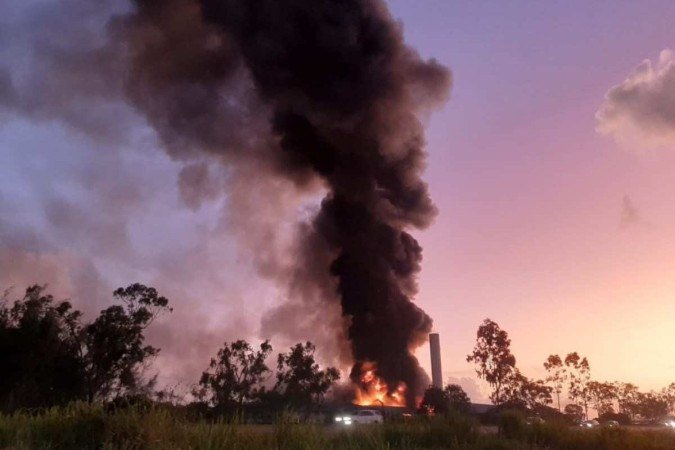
373,391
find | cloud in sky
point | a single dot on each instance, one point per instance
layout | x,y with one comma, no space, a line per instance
630,215
639,112
476,393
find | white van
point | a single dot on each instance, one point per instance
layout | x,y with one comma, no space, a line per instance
360,416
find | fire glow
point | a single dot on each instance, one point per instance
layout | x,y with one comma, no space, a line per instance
374,391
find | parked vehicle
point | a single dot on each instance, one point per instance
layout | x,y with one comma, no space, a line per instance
534,420
362,416
610,424
669,422
589,424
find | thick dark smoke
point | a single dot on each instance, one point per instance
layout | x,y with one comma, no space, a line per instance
321,91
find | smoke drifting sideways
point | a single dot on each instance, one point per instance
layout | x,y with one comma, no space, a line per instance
320,93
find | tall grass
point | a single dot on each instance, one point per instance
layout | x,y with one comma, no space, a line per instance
82,426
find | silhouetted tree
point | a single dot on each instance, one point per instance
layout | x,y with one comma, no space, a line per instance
435,401
574,412
458,400
441,401
492,355
628,397
521,391
602,396
39,364
556,376
536,393
644,405
579,375
236,375
652,406
300,381
668,394
113,348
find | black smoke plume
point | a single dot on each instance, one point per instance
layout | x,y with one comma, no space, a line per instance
317,92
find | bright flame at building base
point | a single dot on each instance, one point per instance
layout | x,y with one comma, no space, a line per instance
373,391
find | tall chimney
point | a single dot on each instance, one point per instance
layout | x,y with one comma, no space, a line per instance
436,372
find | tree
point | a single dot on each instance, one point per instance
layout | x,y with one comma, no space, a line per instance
648,406
556,375
492,355
578,372
458,400
574,411
48,357
537,394
602,396
39,363
435,401
521,391
668,394
652,406
236,375
628,398
300,381
442,401
113,349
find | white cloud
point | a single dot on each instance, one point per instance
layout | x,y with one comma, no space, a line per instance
476,393
639,113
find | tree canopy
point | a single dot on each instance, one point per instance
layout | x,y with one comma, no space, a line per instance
236,375
442,401
39,352
300,381
49,356
493,358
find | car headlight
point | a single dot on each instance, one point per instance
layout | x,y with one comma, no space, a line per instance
338,419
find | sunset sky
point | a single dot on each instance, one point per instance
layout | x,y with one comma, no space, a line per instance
552,166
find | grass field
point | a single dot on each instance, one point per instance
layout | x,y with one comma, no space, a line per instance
90,427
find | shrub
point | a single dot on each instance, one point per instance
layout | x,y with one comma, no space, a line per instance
83,426
512,424
623,419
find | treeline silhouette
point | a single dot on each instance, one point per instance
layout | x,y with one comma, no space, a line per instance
570,375
49,356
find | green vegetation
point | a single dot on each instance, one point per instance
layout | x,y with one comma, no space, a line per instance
85,426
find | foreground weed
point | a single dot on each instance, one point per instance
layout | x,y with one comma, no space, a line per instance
85,427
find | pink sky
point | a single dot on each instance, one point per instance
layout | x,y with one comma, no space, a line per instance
531,197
